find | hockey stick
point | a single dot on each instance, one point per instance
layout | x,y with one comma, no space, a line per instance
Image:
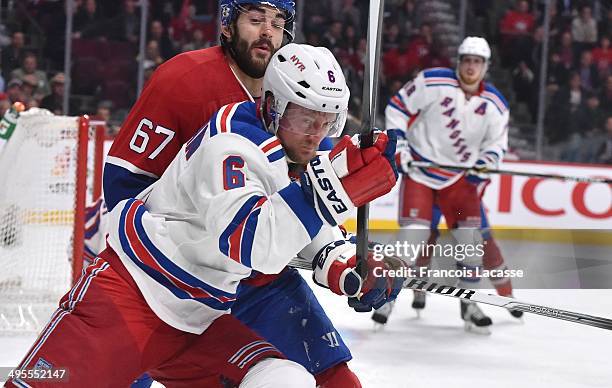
368,117
422,164
493,300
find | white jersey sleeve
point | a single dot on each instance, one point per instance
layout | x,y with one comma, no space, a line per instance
407,103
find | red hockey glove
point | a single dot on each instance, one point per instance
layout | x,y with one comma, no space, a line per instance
350,176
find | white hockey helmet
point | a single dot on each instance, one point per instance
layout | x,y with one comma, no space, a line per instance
307,76
475,45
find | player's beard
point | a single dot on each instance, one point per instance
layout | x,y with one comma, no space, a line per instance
254,67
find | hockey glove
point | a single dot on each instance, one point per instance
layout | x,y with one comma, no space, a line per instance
403,156
350,176
479,173
335,268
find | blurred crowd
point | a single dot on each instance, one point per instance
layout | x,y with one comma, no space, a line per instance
417,34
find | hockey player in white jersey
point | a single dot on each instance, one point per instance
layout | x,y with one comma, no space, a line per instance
449,117
157,299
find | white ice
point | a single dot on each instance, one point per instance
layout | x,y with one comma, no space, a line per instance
435,352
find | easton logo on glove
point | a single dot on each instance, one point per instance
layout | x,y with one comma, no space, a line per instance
324,182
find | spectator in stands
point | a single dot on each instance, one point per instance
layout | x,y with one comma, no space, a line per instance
605,96
437,57
152,54
605,26
197,42
55,101
420,45
516,27
103,111
563,106
29,85
407,18
584,142
401,62
29,66
349,41
14,91
333,36
605,152
89,23
158,32
349,14
517,22
588,116
315,12
126,26
566,50
589,77
12,56
525,88
558,73
602,57
187,21
584,29
392,37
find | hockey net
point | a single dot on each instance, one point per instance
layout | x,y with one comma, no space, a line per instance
46,178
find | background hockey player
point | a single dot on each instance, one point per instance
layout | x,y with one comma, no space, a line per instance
226,207
450,117
181,96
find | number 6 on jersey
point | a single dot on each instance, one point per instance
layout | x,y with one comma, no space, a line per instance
232,176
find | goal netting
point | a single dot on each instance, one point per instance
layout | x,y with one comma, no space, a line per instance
45,174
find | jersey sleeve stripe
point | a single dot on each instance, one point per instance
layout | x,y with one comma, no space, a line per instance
129,166
136,244
398,104
269,144
297,202
194,143
230,241
241,240
224,122
277,155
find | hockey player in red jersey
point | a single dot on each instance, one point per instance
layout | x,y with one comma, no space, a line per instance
223,209
450,117
179,98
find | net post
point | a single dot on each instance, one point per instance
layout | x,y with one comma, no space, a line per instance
100,135
80,196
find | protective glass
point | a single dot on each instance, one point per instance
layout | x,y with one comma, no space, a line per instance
308,122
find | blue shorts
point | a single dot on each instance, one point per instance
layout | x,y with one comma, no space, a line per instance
286,313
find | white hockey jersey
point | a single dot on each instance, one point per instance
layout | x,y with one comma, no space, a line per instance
444,127
224,207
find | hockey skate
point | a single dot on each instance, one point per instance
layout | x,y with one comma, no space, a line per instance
418,303
382,314
475,320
